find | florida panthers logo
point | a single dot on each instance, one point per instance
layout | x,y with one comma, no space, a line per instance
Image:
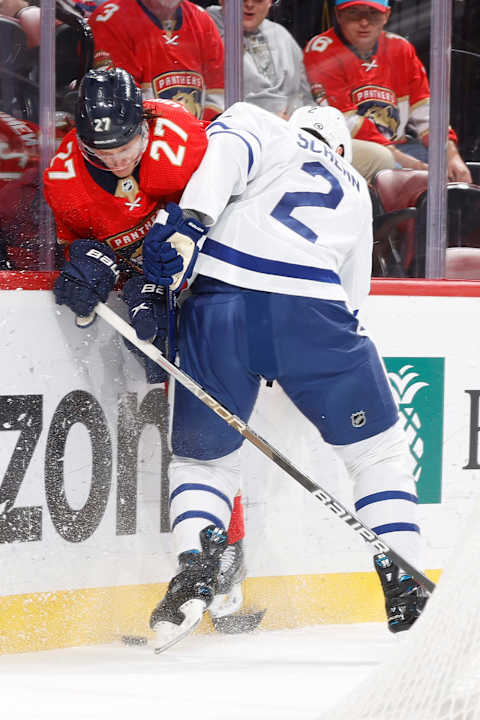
385,118
185,87
380,106
189,101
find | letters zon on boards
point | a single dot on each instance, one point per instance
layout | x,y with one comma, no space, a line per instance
24,414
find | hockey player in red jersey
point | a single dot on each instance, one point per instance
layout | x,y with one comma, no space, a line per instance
172,48
379,83
111,175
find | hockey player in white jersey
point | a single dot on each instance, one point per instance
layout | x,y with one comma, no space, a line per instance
276,286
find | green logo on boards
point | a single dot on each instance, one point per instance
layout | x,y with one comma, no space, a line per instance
417,385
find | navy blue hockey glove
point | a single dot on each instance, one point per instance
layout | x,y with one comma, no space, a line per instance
88,277
147,310
170,248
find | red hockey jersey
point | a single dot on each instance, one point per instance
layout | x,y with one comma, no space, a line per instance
379,96
19,147
19,190
83,209
178,60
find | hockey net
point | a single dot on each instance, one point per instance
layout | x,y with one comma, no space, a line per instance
435,673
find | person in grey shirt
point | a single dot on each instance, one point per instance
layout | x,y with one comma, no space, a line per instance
274,73
274,76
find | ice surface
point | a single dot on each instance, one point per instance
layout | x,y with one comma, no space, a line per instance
275,675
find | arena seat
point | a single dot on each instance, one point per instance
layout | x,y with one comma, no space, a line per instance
400,221
463,230
474,168
462,263
18,91
394,196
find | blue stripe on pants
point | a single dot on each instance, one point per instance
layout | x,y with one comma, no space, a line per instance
200,486
192,514
385,495
396,527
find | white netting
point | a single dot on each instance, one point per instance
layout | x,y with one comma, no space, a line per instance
435,674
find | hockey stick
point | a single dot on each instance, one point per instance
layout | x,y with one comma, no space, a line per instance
330,502
171,349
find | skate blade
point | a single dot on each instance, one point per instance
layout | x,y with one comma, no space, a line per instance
168,633
228,603
239,623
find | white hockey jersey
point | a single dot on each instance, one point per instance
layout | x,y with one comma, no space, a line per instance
287,215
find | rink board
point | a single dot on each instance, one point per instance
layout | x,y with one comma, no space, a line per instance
84,542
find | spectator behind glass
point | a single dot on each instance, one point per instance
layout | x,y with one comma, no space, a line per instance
28,17
273,71
378,81
172,49
275,79
20,193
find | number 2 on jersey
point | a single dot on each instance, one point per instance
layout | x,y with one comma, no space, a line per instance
289,201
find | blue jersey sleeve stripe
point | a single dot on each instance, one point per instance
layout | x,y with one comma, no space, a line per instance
396,527
217,250
224,126
232,132
386,495
195,514
200,486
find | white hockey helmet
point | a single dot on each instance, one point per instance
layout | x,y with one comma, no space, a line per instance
328,122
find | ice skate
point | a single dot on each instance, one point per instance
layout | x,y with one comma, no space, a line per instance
226,608
190,592
405,599
228,596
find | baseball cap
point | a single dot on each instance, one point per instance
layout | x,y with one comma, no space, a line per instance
381,5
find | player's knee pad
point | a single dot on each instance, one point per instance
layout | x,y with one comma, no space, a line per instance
388,449
384,488
201,493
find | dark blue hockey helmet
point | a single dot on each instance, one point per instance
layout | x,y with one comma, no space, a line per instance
109,109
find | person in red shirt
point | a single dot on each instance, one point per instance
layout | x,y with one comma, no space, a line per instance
172,48
379,83
122,163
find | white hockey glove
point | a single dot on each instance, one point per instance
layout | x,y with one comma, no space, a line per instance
170,248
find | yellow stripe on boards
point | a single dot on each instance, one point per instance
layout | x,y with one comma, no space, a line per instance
68,618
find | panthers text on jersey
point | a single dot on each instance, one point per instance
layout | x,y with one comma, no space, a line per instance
378,96
84,209
180,59
281,210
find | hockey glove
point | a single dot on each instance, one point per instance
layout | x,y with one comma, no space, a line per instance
147,310
170,248
88,277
